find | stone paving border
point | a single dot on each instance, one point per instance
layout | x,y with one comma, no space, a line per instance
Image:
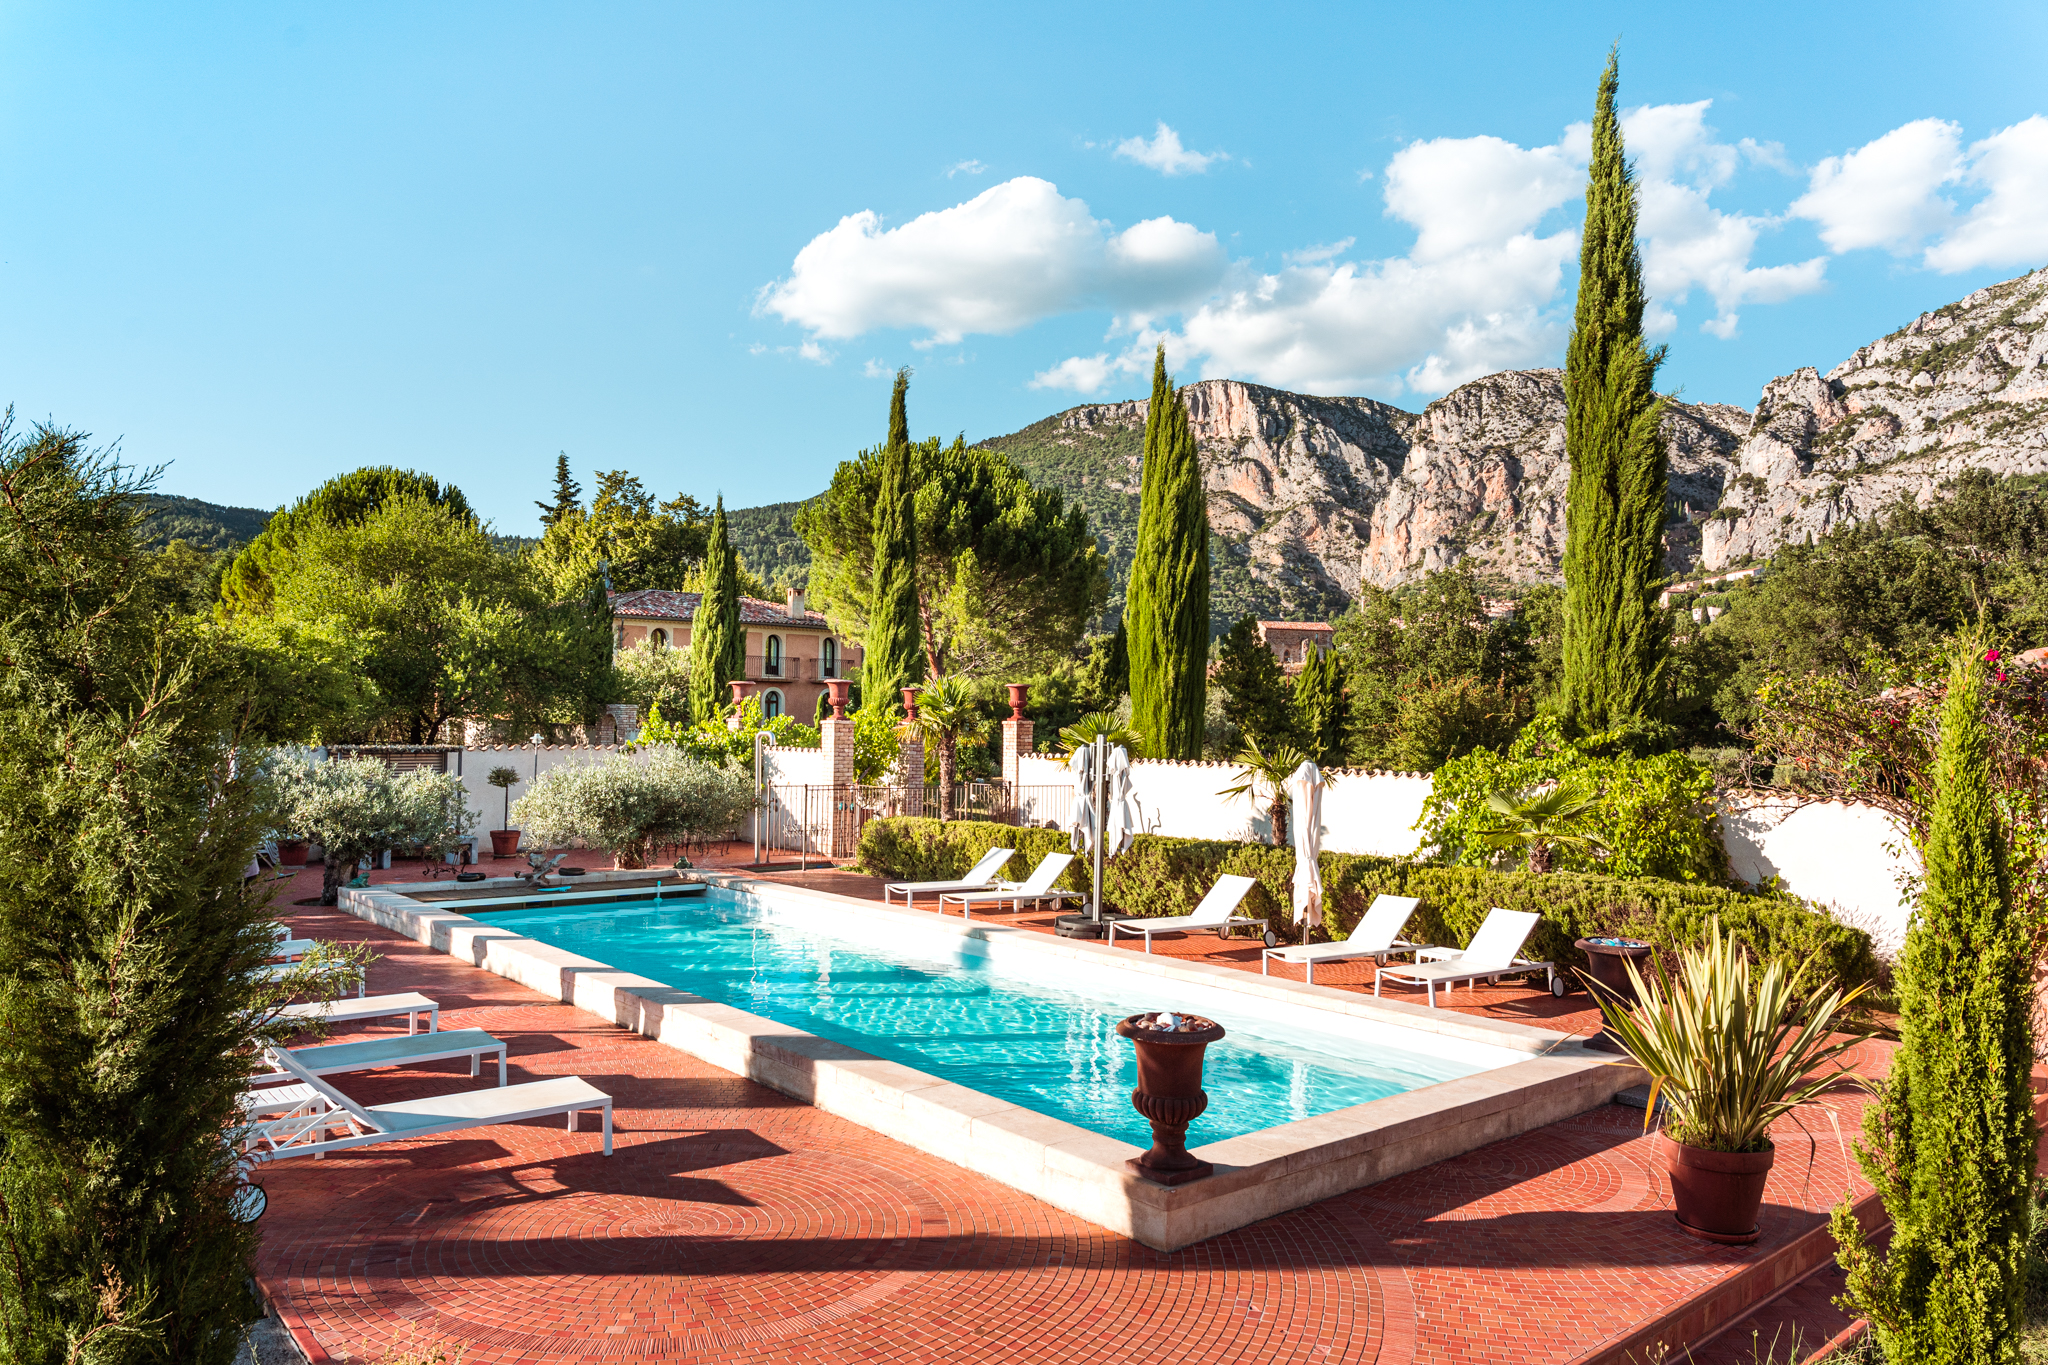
1257,1174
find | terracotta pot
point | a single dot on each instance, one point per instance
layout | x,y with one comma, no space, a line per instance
292,852
504,843
1717,1194
1170,1092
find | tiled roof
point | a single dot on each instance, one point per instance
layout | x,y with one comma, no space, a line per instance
660,604
1297,625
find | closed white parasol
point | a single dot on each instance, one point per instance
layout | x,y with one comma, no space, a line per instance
1305,831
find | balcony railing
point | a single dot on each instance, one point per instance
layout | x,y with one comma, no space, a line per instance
785,669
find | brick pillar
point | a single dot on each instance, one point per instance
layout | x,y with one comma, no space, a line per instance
1016,737
910,756
837,730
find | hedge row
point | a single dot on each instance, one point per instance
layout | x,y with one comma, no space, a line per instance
1161,876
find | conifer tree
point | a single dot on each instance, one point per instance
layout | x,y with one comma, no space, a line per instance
892,657
1166,607
568,494
1614,506
1254,689
1951,1140
1320,708
718,645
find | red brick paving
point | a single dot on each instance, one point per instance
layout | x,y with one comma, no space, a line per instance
735,1224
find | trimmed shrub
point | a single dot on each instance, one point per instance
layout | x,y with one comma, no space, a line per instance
1160,876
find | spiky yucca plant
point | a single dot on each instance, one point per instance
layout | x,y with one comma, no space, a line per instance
1731,1049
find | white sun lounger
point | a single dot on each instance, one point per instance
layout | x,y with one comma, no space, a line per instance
1491,954
277,971
1376,936
289,948
335,1059
306,1133
346,1011
1217,911
980,877
1036,887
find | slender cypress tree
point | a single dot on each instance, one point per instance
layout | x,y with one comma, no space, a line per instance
1166,608
568,494
1320,707
892,657
1614,508
1951,1139
718,647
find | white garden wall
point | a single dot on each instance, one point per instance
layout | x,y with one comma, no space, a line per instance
1853,859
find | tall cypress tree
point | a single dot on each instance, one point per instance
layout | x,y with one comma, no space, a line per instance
1950,1143
718,647
1166,607
1321,707
892,657
1614,508
568,494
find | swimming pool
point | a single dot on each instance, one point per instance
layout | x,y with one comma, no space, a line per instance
1037,1033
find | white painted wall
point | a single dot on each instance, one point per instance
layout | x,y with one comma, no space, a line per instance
473,765
1853,859
1374,812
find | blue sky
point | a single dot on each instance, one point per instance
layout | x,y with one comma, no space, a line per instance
265,244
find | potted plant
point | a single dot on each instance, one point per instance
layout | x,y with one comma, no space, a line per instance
504,842
1731,1049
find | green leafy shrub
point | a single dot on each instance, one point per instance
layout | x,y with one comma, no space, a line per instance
1652,813
629,807
1161,876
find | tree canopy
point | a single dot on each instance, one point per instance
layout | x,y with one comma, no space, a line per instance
342,500
626,535
1007,574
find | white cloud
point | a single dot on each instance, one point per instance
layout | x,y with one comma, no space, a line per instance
1884,194
1081,373
875,369
1165,154
1014,254
1687,243
2009,226
968,167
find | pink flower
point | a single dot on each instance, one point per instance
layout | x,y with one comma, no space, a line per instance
1991,657
2001,677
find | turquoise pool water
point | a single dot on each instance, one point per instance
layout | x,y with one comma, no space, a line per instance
1048,1045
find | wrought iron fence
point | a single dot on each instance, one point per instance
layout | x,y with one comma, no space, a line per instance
806,821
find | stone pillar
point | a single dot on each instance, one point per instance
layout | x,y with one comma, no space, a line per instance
625,718
1016,738
838,734
910,756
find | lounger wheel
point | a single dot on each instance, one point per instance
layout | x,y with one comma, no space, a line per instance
1558,986
1272,939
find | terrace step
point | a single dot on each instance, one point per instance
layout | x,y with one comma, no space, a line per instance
1718,1309
1800,1324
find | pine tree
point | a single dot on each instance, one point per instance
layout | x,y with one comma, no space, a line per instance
1166,607
718,645
1951,1140
1614,507
568,494
1254,689
1320,708
893,658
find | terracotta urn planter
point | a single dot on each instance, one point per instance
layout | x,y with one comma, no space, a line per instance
504,843
1169,1094
292,852
1606,973
1717,1194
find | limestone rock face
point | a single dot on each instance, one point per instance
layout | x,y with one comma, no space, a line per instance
1309,497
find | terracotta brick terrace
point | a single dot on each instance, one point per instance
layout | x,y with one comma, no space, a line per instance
736,1225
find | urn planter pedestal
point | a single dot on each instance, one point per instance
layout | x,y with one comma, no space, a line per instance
1606,974
1717,1195
1169,1092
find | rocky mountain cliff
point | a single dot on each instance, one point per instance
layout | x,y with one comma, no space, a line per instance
1310,496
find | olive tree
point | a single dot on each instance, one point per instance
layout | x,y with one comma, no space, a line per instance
630,805
355,807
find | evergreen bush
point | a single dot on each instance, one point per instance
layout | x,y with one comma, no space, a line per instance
1163,876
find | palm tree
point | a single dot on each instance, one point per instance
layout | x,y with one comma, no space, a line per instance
1541,821
1081,734
945,708
1272,767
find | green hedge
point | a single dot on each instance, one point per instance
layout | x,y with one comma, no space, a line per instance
1161,876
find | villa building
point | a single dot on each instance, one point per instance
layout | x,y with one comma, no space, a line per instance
791,650
1291,641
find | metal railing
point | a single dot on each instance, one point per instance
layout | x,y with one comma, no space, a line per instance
806,821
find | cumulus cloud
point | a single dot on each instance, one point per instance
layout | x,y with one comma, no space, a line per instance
1011,256
1886,192
1163,153
968,167
2009,226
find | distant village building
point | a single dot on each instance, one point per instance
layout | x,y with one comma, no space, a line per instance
1291,641
791,650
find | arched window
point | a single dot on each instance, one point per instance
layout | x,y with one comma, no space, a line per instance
828,657
771,657
771,702
659,639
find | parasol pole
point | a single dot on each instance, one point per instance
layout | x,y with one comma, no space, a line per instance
1101,771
